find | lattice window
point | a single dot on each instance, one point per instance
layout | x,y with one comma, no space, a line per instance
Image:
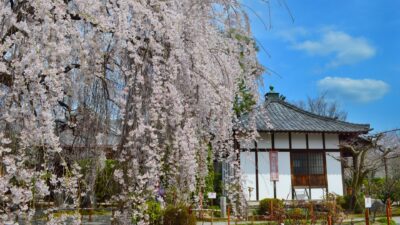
316,163
305,163
300,163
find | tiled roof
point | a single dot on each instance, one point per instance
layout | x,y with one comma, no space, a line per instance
278,115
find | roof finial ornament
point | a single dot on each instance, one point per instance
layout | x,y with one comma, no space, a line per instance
271,95
271,88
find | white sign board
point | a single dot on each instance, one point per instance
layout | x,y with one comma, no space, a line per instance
368,202
212,195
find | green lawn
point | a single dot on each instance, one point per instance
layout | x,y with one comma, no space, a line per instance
379,221
395,212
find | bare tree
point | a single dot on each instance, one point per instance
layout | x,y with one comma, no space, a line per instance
364,162
369,154
320,105
388,146
386,186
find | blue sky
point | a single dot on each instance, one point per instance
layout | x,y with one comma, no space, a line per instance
349,49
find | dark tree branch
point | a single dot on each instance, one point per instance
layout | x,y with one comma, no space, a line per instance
12,30
6,79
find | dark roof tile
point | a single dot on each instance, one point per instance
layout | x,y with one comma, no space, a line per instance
282,116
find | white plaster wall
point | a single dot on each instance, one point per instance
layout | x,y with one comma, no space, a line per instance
266,188
281,140
246,144
317,193
315,141
299,141
264,141
284,185
300,194
334,173
332,141
248,169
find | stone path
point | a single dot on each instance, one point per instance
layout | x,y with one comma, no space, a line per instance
397,219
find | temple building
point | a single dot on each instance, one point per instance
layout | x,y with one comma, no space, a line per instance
297,154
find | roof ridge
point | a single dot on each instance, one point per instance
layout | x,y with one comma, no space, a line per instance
326,118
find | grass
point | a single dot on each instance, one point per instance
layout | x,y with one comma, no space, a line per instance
384,221
395,212
371,223
97,212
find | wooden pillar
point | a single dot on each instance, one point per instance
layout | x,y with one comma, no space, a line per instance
290,163
257,183
273,148
308,166
325,165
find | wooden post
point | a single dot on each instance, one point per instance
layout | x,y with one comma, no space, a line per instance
367,216
212,216
329,219
312,213
229,216
271,209
201,204
388,211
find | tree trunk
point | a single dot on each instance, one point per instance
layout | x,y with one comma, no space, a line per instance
386,168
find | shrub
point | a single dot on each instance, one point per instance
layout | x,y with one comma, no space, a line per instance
296,213
344,202
340,200
333,208
155,212
178,215
265,204
106,185
216,213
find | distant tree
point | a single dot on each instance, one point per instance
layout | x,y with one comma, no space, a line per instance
320,105
388,151
388,146
383,189
369,154
360,149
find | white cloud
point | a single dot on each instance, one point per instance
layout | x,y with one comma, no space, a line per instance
362,90
344,48
292,34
